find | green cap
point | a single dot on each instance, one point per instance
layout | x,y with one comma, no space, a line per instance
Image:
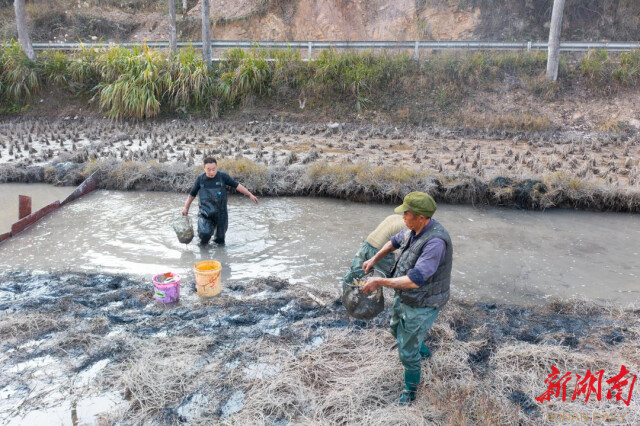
418,203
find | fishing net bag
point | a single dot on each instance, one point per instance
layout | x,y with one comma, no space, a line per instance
358,304
184,229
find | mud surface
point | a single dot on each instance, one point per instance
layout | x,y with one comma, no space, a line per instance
72,341
62,331
485,154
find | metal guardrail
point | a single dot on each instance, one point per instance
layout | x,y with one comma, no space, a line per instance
416,46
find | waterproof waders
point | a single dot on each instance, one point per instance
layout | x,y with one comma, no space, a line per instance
409,326
213,219
366,252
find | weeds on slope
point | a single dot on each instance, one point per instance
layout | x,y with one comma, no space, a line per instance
19,77
141,83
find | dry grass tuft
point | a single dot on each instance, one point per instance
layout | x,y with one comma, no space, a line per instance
10,173
251,174
28,326
129,175
524,122
612,125
157,373
352,378
364,182
565,190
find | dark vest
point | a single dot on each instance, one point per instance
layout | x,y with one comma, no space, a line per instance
435,292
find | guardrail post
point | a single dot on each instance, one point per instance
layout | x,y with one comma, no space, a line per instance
24,206
309,51
529,46
415,50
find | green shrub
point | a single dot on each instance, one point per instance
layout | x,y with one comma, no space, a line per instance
19,77
251,75
628,70
132,82
232,59
356,73
188,82
84,74
288,69
595,68
55,67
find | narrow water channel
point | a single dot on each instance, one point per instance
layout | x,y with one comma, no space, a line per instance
500,254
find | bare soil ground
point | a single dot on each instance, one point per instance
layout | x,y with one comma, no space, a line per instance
136,20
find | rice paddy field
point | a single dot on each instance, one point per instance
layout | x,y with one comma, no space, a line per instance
92,347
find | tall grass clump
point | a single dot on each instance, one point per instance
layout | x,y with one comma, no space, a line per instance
595,68
529,63
188,82
55,68
243,74
19,77
84,72
357,74
133,82
627,72
289,70
471,70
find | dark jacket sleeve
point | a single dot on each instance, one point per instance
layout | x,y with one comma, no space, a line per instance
196,187
229,181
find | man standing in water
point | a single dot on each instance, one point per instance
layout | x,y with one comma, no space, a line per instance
421,279
213,219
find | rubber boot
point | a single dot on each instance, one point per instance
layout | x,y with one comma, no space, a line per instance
424,351
408,394
204,239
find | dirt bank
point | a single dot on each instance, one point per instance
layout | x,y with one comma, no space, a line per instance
136,20
363,162
264,351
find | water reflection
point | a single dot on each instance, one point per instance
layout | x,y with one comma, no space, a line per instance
500,254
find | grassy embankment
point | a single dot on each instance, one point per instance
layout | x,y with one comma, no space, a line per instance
357,182
142,83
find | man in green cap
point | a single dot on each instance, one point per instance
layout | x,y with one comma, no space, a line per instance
421,278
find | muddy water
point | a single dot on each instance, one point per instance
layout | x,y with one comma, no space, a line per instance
41,195
500,254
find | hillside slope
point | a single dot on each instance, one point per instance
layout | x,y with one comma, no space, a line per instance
114,20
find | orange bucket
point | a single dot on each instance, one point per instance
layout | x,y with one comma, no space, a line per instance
208,277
